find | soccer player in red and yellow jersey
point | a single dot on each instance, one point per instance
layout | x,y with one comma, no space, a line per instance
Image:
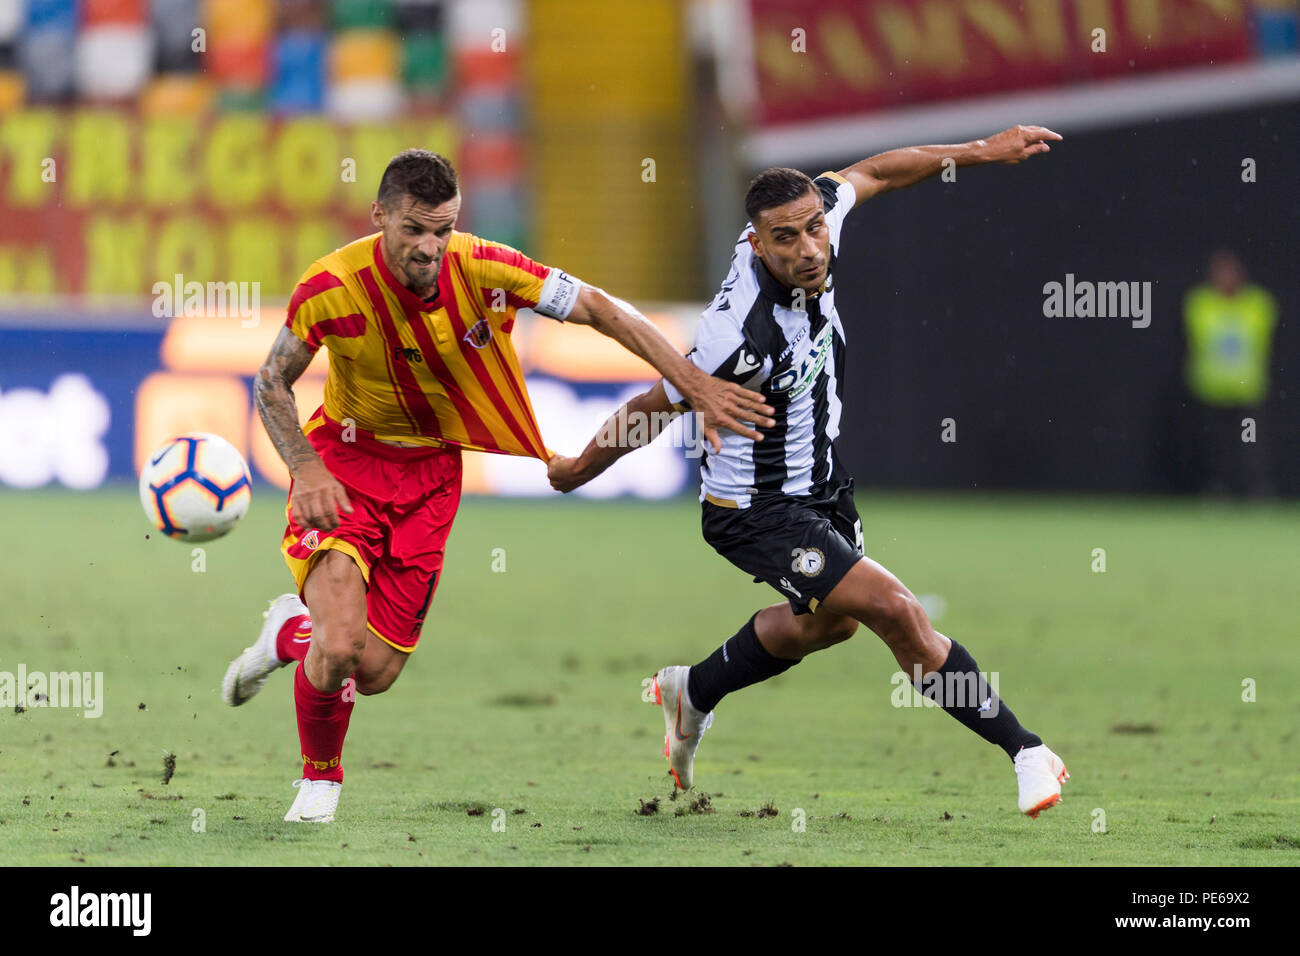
417,321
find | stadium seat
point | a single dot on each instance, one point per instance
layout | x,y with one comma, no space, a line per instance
240,65
1276,27
424,61
176,93
365,75
52,15
12,90
46,49
237,21
496,209
361,101
103,12
298,72
489,110
362,14
309,16
479,66
46,57
113,60
238,42
419,15
237,98
174,23
492,155
12,18
364,55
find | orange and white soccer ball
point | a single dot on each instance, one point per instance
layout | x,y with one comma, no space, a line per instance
195,487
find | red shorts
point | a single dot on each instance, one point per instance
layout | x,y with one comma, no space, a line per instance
403,503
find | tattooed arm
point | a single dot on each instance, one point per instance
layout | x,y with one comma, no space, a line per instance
316,496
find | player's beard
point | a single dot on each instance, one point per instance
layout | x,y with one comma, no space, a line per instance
811,281
421,280
400,263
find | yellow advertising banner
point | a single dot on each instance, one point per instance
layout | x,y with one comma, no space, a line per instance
107,202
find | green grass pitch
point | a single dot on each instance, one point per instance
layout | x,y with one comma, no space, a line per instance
525,694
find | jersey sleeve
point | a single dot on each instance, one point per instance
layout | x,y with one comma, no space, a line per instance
722,350
322,312
838,199
507,274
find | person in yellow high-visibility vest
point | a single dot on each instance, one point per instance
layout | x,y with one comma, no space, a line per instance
1229,324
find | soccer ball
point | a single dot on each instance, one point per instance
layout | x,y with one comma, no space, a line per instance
195,487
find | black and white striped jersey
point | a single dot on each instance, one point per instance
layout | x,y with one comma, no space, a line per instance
755,333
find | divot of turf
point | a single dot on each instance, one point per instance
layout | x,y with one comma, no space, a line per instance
1134,729
523,699
702,804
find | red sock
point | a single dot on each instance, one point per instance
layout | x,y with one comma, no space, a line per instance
322,725
294,638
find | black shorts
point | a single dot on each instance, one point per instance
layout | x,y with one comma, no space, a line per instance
801,545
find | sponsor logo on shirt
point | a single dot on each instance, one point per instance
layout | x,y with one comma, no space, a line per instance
799,379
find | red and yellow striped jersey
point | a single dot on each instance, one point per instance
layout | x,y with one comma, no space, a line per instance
439,372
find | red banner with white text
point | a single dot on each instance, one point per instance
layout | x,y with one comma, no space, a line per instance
817,59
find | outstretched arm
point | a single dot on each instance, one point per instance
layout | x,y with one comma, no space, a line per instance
614,440
718,404
905,167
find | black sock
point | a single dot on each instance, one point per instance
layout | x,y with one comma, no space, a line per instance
962,691
739,662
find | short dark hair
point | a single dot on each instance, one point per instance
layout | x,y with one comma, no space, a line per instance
775,187
420,174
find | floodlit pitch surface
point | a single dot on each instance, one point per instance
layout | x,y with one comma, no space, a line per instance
517,734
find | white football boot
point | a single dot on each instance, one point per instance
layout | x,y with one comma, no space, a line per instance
248,672
684,725
1040,774
316,801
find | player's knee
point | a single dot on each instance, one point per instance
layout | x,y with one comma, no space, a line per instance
370,684
820,632
839,631
342,646
898,613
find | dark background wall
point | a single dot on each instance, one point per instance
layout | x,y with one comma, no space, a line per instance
941,295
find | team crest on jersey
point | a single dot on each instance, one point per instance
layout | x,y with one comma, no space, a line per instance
311,540
480,335
807,561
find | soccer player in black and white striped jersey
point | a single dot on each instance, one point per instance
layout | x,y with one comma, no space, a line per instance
781,508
